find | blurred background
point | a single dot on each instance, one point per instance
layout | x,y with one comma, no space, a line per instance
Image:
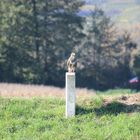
37,37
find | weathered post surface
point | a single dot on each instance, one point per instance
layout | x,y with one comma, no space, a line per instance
70,94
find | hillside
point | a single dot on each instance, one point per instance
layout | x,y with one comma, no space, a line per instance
124,13
121,11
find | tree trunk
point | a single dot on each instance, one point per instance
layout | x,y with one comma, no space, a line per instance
36,32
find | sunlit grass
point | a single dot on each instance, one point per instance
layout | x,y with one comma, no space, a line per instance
44,119
116,92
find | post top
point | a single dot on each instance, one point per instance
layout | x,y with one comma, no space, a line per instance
70,73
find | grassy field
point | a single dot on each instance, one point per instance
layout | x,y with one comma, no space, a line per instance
97,117
29,112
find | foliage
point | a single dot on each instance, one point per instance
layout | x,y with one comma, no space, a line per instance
137,64
37,36
107,64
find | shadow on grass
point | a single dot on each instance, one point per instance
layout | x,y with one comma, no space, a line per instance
111,108
81,110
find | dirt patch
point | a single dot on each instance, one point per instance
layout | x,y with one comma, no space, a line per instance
130,99
125,99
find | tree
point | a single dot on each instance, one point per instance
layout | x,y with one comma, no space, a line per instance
60,28
104,53
36,37
96,47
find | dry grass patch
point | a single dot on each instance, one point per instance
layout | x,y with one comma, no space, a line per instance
21,90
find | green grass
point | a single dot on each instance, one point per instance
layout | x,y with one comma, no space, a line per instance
44,119
117,92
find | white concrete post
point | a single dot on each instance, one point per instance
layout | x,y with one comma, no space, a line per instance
70,94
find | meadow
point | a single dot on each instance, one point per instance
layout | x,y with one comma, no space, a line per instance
110,115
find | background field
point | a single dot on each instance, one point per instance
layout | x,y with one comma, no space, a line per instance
38,113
